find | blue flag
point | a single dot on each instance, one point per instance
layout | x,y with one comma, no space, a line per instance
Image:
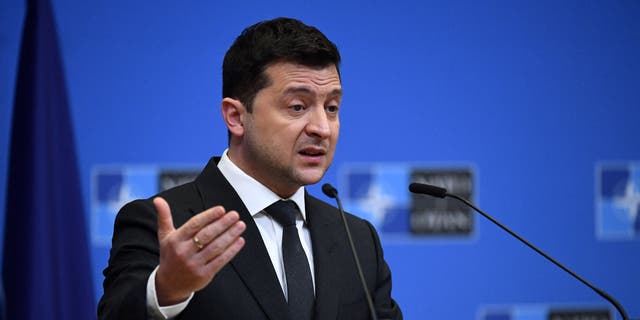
46,268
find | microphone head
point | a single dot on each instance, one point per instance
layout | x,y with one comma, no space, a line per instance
428,190
329,190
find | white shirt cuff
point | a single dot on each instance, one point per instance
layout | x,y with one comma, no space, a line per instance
154,310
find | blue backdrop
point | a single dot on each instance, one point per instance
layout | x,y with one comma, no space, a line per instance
536,96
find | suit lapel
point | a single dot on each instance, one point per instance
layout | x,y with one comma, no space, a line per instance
323,226
252,261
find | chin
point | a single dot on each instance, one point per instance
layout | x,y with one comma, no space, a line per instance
312,177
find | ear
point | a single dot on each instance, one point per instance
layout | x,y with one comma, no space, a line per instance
233,113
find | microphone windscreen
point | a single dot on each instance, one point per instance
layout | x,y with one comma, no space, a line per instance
428,189
329,190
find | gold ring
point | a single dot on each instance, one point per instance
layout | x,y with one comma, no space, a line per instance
197,242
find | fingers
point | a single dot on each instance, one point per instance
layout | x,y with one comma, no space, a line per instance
201,220
206,226
229,253
212,231
165,222
220,236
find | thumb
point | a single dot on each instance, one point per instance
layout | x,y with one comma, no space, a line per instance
165,222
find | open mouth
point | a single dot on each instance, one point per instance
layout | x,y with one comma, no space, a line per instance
312,152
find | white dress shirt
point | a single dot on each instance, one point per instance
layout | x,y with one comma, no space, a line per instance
256,197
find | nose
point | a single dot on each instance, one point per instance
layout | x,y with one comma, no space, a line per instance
318,124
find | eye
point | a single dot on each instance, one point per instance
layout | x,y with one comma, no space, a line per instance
297,107
332,109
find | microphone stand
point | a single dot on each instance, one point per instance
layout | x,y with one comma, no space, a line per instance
331,192
441,193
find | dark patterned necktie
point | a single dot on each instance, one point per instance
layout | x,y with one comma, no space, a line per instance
296,265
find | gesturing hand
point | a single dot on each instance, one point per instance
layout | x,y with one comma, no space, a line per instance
191,255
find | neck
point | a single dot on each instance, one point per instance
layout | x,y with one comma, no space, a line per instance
283,192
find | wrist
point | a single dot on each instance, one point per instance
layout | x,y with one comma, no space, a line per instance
167,294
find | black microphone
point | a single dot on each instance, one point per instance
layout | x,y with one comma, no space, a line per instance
441,193
331,192
428,189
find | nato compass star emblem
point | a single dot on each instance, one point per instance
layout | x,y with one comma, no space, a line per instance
111,188
378,193
378,203
618,201
630,202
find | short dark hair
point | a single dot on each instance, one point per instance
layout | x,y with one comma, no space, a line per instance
268,42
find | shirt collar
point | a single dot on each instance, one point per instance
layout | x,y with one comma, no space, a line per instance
255,196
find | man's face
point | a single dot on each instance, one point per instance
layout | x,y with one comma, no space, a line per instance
290,136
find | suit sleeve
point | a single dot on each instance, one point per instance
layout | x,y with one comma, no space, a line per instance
134,255
386,307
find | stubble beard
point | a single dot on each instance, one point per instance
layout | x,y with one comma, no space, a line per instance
268,169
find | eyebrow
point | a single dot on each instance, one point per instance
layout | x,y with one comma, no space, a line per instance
307,90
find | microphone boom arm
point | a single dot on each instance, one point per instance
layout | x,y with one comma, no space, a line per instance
422,188
599,291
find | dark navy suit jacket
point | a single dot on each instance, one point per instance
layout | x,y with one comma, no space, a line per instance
246,288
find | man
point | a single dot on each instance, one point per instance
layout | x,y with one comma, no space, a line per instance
219,247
